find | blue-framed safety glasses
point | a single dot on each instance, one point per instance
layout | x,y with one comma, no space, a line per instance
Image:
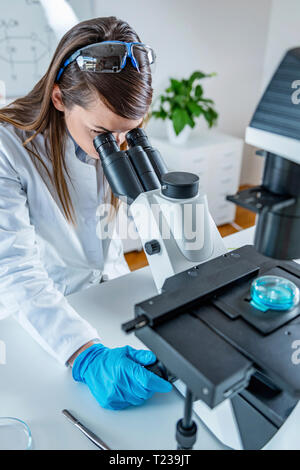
111,57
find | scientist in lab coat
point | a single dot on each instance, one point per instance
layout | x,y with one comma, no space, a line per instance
51,189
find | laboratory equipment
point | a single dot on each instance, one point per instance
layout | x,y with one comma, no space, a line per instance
15,434
240,363
89,434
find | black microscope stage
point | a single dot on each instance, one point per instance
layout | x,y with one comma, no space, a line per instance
204,329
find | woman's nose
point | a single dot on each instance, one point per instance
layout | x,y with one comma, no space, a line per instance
119,138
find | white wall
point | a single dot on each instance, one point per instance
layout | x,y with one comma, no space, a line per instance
283,34
227,37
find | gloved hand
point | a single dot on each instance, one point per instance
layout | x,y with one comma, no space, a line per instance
116,377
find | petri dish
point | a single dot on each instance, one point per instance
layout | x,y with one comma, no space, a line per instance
274,293
14,434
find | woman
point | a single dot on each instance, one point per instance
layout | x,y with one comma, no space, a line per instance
51,187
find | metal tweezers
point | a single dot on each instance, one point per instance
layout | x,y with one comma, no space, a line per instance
89,434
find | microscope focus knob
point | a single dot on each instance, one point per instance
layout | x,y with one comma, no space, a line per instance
179,185
152,247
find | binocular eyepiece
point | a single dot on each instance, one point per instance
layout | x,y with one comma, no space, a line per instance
106,143
133,171
141,168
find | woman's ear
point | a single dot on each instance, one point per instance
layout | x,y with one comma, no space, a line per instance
56,98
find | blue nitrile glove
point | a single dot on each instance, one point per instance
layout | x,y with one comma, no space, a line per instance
116,377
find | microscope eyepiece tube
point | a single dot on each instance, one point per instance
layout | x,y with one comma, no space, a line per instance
105,144
117,168
138,137
143,168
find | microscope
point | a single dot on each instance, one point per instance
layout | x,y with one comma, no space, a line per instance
225,325
171,216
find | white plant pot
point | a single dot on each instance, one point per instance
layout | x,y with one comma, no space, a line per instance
177,139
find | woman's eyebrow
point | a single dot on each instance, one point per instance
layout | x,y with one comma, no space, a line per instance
107,130
103,129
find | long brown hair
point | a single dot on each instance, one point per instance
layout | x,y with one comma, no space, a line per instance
127,94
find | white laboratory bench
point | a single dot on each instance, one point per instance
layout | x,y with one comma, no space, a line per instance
35,388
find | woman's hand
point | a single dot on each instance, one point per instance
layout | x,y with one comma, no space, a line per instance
116,377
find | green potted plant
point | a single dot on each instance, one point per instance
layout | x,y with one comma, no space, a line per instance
182,103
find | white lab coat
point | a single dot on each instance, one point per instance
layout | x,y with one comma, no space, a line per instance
42,256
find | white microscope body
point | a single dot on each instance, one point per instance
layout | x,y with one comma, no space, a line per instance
177,234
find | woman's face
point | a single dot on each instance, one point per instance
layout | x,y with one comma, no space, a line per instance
85,123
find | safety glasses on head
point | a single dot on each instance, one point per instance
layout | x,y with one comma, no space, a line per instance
111,57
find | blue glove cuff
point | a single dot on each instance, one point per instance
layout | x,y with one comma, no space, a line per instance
84,359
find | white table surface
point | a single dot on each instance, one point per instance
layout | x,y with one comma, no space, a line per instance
35,388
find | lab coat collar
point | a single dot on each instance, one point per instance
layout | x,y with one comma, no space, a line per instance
77,167
80,153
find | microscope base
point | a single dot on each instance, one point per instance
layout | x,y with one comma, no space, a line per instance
240,426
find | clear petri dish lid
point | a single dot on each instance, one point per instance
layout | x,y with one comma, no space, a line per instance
15,434
274,293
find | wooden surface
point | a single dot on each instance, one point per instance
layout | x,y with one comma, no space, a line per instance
243,219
